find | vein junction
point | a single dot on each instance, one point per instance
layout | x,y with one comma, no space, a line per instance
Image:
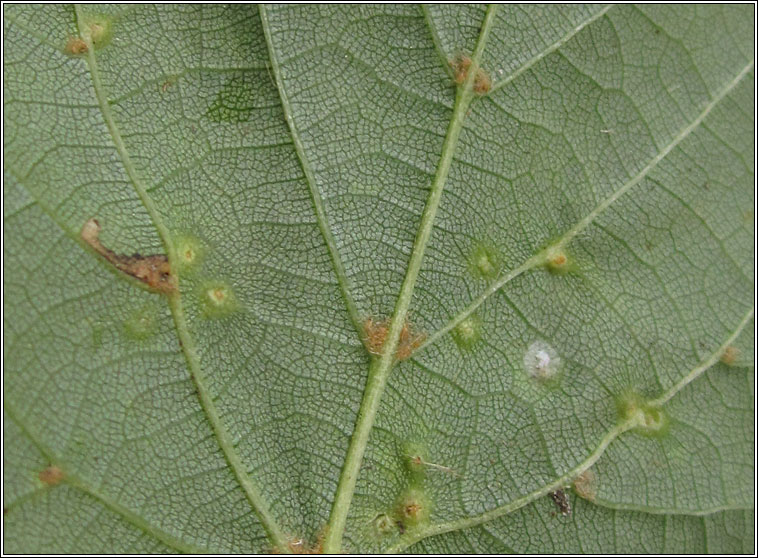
382,365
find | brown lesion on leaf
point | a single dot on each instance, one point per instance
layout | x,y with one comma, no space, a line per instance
75,46
413,508
170,81
375,333
301,546
730,355
482,82
585,485
561,501
154,270
461,65
558,260
51,475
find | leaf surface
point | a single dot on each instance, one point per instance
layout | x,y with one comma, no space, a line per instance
317,180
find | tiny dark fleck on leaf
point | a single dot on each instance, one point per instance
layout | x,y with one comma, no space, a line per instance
561,501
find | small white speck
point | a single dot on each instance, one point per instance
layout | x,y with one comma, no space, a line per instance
541,361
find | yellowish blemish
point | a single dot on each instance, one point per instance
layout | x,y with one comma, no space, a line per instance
218,299
51,475
585,485
75,46
730,355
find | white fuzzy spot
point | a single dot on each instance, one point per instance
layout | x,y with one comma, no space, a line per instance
541,361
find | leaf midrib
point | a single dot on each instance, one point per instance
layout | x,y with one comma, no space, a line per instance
381,367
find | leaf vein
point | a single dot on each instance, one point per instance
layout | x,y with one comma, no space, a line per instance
552,48
187,343
318,202
73,480
592,458
381,366
538,258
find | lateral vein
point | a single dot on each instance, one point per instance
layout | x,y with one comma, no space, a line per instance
252,493
539,258
316,197
592,458
75,481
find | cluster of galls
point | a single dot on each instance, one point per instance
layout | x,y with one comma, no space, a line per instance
413,505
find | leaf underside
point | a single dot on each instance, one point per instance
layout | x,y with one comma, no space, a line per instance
282,158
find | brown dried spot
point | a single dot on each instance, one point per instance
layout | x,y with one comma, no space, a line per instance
730,354
154,270
318,548
168,83
558,260
482,82
376,333
75,45
585,485
51,475
461,65
300,546
218,295
413,507
561,501
412,510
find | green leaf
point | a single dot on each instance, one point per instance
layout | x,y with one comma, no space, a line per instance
421,267
592,530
